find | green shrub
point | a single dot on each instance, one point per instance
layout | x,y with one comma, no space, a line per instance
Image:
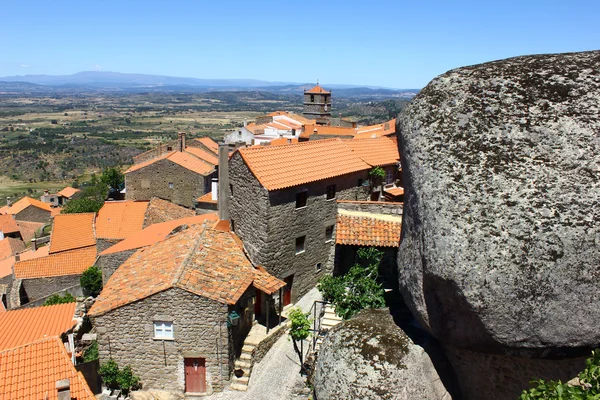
58,299
299,331
116,378
83,205
91,280
91,353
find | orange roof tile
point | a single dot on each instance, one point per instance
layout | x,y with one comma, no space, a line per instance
18,327
280,167
397,191
203,261
6,267
156,233
28,229
26,202
71,262
375,152
266,282
68,192
317,89
7,264
72,231
208,142
32,370
8,224
327,130
10,246
185,160
283,141
30,255
120,219
151,161
366,230
160,210
376,131
206,198
203,155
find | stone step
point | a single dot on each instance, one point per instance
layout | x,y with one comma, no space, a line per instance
242,364
332,315
247,348
242,380
239,387
246,356
327,323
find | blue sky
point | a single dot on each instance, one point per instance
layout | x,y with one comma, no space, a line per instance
402,44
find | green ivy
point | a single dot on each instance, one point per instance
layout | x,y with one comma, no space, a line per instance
58,299
91,280
377,172
91,353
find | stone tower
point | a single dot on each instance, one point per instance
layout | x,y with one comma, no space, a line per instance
317,104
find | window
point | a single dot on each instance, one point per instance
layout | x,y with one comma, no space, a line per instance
232,225
231,189
301,198
312,98
389,176
163,330
300,244
329,233
169,148
330,192
170,185
318,267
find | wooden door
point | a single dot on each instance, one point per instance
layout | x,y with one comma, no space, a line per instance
195,375
287,290
258,304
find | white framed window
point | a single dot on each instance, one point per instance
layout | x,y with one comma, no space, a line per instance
300,241
163,330
171,185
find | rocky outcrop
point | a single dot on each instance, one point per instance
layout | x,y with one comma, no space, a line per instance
500,239
369,357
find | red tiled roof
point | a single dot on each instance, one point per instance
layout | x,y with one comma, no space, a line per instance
266,282
10,246
6,267
71,262
327,130
32,370
18,327
28,229
160,210
8,224
375,152
318,90
208,142
203,261
397,191
185,160
206,198
156,233
26,202
72,231
280,167
376,131
283,141
68,192
366,230
30,255
203,155
120,219
7,264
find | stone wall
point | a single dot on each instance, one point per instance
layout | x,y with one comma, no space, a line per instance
158,151
269,223
375,207
103,244
153,180
37,288
33,214
109,263
200,331
75,291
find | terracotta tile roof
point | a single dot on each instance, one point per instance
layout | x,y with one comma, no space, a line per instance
120,219
185,160
266,282
203,155
327,130
151,161
397,191
208,142
283,141
18,327
318,90
375,131
203,261
30,255
206,198
8,224
26,202
32,370
71,262
4,210
280,167
6,267
223,226
363,229
68,192
156,233
72,231
2,308
28,229
160,210
7,264
375,152
10,246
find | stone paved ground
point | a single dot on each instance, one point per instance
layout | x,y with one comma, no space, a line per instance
277,376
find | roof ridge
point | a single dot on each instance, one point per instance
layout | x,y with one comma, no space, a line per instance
37,341
307,143
188,257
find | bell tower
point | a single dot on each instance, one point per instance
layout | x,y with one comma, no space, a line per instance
317,104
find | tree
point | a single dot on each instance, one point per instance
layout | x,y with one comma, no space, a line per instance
359,288
91,280
82,206
114,378
58,299
588,387
112,177
299,331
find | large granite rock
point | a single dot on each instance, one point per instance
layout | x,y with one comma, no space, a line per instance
369,357
501,226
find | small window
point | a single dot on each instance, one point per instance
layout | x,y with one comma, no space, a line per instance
232,223
231,189
301,198
163,330
318,267
330,192
300,244
329,233
170,185
169,148
312,98
360,182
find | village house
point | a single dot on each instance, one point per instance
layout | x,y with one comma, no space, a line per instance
178,311
161,149
28,209
7,276
282,204
59,199
180,176
9,227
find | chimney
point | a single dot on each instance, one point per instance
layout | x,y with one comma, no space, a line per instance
159,150
245,122
214,189
17,257
63,388
46,192
8,202
33,244
223,196
181,139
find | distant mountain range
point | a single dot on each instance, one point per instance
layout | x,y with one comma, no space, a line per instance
115,81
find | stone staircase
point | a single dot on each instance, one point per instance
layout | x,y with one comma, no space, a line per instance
330,319
243,368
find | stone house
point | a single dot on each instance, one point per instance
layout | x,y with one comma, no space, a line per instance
9,227
7,276
59,199
282,204
30,210
168,311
